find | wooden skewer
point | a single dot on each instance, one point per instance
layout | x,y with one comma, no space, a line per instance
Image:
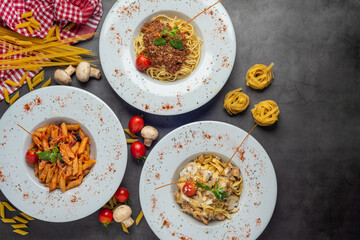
238,149
203,11
24,129
151,31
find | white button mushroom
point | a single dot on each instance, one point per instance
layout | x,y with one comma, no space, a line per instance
123,214
63,77
84,72
149,134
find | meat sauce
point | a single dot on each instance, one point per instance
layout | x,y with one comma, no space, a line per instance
166,55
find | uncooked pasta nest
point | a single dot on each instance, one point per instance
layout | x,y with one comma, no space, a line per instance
236,101
266,113
259,76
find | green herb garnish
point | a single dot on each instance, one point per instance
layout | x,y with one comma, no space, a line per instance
160,42
52,155
218,192
176,43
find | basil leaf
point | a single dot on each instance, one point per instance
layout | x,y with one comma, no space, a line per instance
172,34
203,186
53,158
216,184
160,42
45,155
175,29
217,194
177,43
223,195
165,32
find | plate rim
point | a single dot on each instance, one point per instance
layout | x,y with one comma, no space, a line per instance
170,112
123,148
274,184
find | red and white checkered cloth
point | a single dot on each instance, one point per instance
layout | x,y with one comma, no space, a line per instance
85,13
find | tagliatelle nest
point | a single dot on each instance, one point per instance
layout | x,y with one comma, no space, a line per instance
236,101
259,76
266,113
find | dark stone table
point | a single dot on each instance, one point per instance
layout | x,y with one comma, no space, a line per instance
315,45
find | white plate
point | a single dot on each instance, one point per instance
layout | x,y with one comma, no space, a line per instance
108,148
150,95
170,155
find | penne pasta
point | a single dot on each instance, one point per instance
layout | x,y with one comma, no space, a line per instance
20,219
16,226
2,210
64,161
27,216
6,95
8,206
82,146
8,220
88,164
26,15
73,127
21,232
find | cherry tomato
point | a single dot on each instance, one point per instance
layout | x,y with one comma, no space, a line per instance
136,123
105,216
31,157
189,189
142,63
122,194
137,150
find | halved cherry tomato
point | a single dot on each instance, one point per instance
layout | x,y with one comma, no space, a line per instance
31,157
137,150
122,194
142,63
136,123
105,216
189,189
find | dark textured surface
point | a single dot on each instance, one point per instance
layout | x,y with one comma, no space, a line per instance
315,45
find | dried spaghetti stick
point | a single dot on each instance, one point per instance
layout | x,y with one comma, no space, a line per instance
16,226
22,25
57,32
2,210
6,95
26,15
124,227
29,84
8,220
47,83
9,38
33,21
11,83
8,206
24,43
21,232
139,217
69,27
14,98
29,28
20,219
23,78
27,216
